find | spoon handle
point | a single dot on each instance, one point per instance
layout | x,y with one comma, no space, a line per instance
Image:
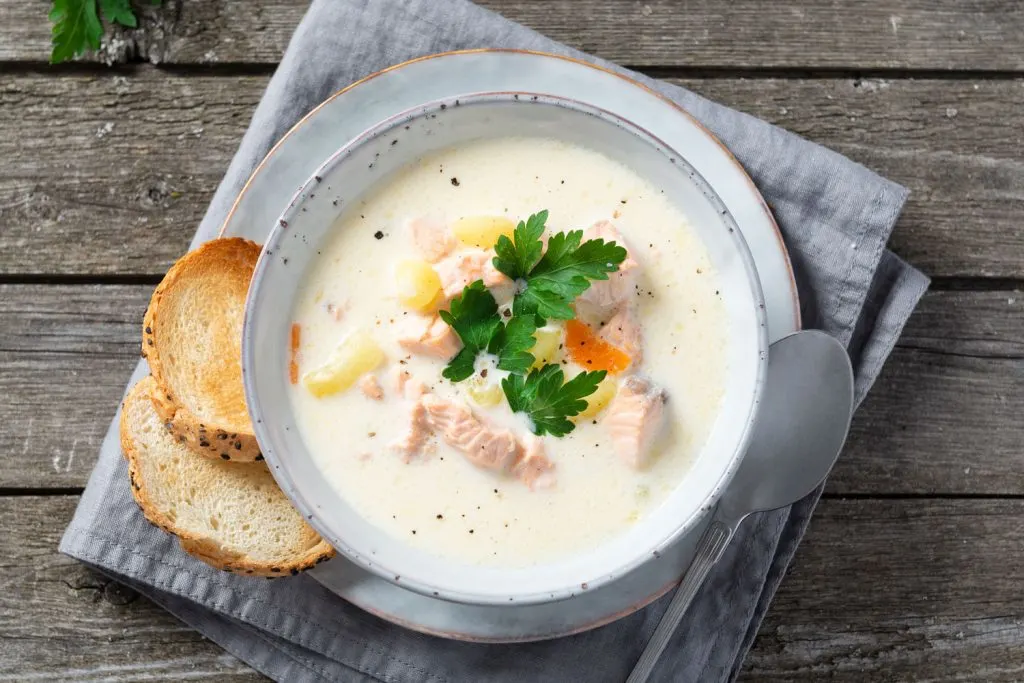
709,550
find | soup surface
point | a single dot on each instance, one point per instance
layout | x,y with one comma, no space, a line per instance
448,466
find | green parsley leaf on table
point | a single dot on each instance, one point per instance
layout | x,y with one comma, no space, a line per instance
548,400
474,317
550,283
77,26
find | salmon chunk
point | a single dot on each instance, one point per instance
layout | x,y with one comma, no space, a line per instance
608,294
432,238
467,266
623,331
412,443
534,469
484,446
370,387
428,336
634,419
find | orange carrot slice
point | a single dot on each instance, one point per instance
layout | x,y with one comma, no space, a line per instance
592,352
293,359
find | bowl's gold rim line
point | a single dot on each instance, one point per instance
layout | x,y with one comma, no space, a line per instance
732,158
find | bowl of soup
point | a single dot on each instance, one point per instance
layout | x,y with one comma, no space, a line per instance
504,348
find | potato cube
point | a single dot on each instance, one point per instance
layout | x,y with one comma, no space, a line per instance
546,349
417,283
482,231
356,355
600,399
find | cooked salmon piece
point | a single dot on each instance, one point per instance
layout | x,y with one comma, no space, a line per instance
608,294
370,387
412,443
534,469
483,445
623,331
432,238
467,266
635,418
428,336
408,387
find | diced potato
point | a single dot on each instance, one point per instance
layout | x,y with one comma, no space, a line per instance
482,231
483,392
600,399
417,283
546,350
356,355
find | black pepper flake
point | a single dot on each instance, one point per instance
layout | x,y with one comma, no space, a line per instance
284,223
379,235
471,531
440,516
507,313
443,106
455,181
622,201
394,142
699,271
483,373
413,532
225,456
318,179
716,292
334,202
495,490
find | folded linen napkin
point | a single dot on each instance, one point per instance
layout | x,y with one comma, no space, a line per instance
836,217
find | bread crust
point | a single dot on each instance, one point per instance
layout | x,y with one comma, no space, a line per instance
234,260
207,549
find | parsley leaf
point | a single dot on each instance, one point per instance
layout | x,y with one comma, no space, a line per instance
512,344
474,317
119,11
76,28
553,280
548,400
517,258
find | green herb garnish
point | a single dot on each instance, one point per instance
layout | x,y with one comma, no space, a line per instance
474,317
548,399
548,284
77,26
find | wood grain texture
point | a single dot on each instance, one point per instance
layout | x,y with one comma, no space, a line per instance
855,606
944,417
900,590
861,34
62,622
149,149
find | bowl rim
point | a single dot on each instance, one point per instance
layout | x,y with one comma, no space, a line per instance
390,573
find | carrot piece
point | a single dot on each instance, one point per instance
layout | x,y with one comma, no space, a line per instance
293,359
593,353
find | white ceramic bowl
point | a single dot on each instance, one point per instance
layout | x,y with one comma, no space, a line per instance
355,170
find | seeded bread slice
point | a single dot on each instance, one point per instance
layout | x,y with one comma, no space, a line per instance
232,516
192,338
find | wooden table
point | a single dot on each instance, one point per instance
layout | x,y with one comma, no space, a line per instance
913,568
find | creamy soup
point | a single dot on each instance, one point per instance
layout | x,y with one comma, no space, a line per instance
447,466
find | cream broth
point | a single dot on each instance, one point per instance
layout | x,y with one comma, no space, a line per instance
440,501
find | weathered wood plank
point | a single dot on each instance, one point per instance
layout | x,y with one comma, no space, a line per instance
944,418
150,148
60,621
944,34
901,590
855,606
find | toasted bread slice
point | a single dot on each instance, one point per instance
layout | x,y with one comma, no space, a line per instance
232,516
192,338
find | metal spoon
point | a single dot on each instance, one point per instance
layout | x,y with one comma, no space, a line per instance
804,418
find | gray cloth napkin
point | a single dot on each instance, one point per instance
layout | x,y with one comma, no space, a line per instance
836,217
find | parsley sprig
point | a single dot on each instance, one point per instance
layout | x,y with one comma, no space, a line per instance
474,317
548,399
549,283
77,26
